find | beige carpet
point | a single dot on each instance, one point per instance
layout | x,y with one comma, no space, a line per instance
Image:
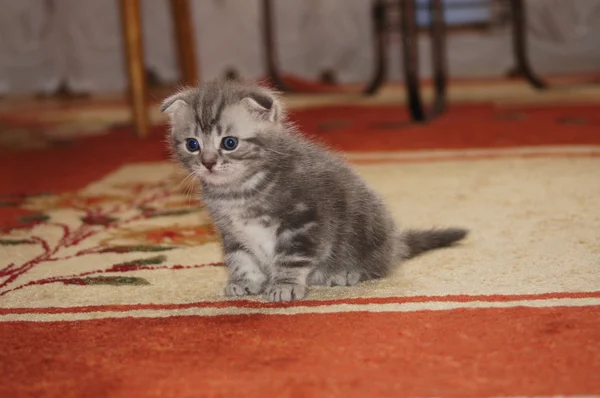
111,281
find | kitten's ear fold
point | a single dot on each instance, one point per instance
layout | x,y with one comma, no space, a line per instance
178,108
264,106
174,103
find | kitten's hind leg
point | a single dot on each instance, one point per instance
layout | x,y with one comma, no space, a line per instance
339,278
345,278
245,277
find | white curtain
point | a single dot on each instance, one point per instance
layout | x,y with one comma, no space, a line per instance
44,43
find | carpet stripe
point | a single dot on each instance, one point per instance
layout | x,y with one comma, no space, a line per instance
294,310
225,303
493,152
474,155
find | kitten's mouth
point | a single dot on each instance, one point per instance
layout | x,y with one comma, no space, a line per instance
213,177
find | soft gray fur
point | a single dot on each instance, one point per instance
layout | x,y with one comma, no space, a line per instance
290,213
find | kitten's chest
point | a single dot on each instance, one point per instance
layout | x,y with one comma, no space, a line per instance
256,234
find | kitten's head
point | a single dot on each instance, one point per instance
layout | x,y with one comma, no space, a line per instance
222,131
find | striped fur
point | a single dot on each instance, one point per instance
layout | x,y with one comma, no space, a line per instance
290,212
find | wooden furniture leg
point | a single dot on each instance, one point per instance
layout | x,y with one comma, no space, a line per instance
132,30
438,55
273,69
184,37
269,40
519,39
381,43
410,53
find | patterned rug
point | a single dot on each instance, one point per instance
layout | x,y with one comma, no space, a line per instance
111,276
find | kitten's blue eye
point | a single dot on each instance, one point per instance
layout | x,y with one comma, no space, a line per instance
229,143
192,145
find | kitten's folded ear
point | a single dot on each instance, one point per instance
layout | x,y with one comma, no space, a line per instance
178,108
174,103
264,105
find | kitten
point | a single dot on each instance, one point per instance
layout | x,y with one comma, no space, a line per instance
289,212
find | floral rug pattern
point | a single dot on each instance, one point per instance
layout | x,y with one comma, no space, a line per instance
148,219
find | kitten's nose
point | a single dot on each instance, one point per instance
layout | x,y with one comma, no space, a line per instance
209,164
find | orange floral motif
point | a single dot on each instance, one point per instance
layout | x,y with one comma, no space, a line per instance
180,236
181,203
71,201
141,187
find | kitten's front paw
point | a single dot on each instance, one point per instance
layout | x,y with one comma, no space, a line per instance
242,288
285,292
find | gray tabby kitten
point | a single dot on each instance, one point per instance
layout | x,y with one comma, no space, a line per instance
290,213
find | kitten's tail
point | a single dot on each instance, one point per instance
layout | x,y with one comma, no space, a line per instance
416,242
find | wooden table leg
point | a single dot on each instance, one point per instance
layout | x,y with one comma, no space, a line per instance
380,27
269,40
184,37
274,71
132,30
438,56
521,54
519,36
410,52
410,55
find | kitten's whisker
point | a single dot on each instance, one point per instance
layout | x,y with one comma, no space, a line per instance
189,194
185,192
185,180
187,184
280,153
189,187
193,194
